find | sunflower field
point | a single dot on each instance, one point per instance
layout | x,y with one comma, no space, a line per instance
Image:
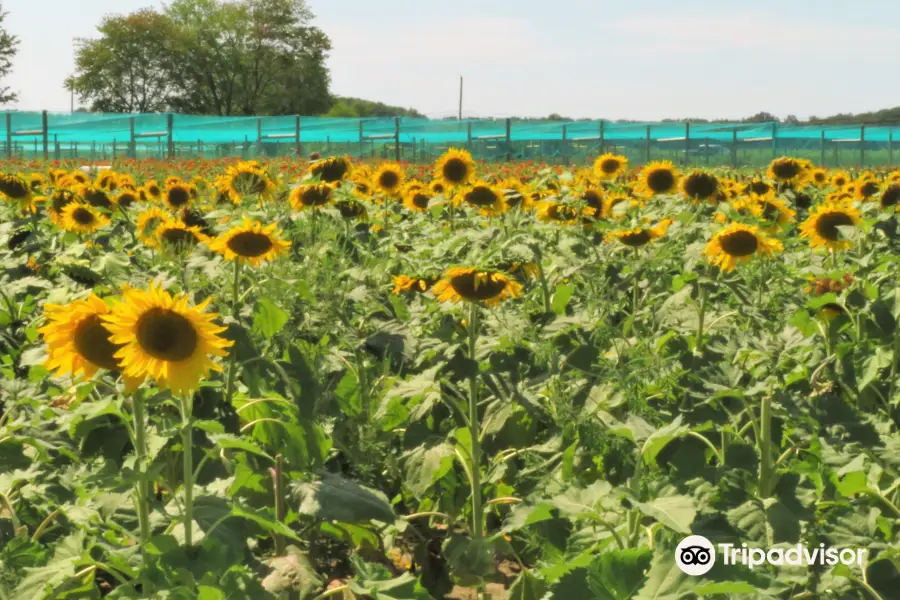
300,381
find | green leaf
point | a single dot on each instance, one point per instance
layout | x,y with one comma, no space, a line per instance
471,559
665,581
425,466
205,592
527,587
619,574
268,319
675,512
661,438
337,499
725,587
232,442
561,297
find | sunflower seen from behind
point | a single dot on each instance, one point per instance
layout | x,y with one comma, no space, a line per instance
822,225
331,170
739,243
637,237
310,196
407,283
890,197
476,285
610,166
455,168
247,178
175,234
251,242
165,338
77,341
658,177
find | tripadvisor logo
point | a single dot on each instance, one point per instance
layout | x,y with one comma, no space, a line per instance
696,555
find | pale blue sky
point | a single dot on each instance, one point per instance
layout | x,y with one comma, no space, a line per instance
639,59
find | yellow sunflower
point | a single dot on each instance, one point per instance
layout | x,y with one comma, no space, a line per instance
148,222
126,198
79,217
867,188
153,190
738,243
550,211
18,190
700,186
37,182
417,200
405,283
95,196
351,208
388,179
758,186
474,285
840,179
175,233
640,236
610,166
486,198
593,197
172,180
515,193
310,195
57,201
177,196
77,341
788,170
455,168
437,187
658,177
80,177
248,178
616,205
330,170
819,177
890,197
165,338
893,177
822,225
107,180
251,242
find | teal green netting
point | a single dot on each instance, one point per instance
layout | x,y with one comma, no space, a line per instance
97,136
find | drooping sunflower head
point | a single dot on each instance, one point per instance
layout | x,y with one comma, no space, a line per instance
550,211
37,182
486,198
822,226
107,180
417,285
417,200
389,179
177,196
126,198
310,195
774,210
175,234
738,243
515,194
758,186
95,196
79,177
658,177
351,208
332,169
593,197
147,223
640,236
788,170
616,205
610,166
893,177
455,168
474,285
79,217
165,338
57,201
16,189
77,341
890,197
700,186
251,242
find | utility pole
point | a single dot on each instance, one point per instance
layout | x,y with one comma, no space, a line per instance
460,97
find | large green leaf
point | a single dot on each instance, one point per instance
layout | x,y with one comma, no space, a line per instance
527,587
675,512
619,574
335,498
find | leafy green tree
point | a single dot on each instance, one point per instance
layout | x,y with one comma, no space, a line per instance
127,68
9,46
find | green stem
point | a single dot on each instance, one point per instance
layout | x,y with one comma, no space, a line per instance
232,358
4,499
766,465
140,450
634,287
700,317
474,427
278,490
187,450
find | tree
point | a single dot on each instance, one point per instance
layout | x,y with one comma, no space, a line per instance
248,57
762,117
9,47
127,69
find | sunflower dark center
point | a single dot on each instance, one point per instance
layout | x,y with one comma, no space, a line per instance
786,169
471,287
869,189
455,170
819,176
481,195
437,188
166,335
760,188
891,196
18,238
333,169
179,237
178,197
421,200
362,188
350,209
83,216
250,244
14,187
638,238
92,342
610,165
127,199
803,200
593,199
388,180
661,180
97,198
249,182
701,185
315,195
154,190
739,243
828,223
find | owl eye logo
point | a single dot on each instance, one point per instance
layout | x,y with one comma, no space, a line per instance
695,555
